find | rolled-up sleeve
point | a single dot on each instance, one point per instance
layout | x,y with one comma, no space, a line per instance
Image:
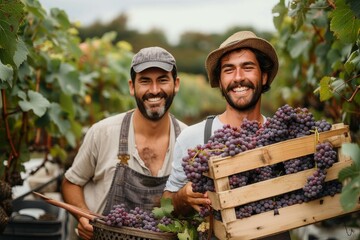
83,167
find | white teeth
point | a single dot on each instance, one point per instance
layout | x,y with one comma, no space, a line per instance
153,99
240,89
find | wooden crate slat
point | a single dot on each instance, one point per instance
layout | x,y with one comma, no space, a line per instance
228,215
222,184
287,183
275,153
291,217
220,230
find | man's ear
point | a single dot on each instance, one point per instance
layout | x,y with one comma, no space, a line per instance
131,87
177,85
264,78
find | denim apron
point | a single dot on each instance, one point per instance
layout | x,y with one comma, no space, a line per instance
130,187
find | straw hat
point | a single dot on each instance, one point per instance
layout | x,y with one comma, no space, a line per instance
243,39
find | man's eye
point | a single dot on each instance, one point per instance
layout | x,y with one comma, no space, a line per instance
248,69
227,69
144,81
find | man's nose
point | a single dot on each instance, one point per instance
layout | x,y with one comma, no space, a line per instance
154,88
239,75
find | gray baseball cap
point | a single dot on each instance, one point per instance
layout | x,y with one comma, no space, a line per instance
153,57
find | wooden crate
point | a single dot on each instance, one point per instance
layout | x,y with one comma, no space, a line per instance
225,199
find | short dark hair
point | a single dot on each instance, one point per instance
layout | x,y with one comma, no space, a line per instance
265,63
133,74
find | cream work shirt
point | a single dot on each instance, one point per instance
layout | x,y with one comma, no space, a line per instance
95,163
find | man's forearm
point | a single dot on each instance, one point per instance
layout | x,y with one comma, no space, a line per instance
73,194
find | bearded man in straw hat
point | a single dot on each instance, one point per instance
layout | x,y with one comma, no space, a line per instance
243,68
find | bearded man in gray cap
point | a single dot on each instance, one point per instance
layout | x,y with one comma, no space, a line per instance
243,67
127,158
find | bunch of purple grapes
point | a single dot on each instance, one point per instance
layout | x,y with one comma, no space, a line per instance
324,157
299,164
194,165
314,183
135,218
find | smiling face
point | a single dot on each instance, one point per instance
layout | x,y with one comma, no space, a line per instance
241,79
154,90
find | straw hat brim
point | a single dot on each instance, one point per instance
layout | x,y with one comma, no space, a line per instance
254,42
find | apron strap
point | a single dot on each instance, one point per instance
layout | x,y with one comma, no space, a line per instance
208,126
176,125
123,154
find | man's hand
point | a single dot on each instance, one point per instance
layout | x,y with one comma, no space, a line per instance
194,199
185,200
85,229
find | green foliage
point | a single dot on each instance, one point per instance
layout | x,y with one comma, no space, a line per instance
325,91
34,101
165,208
6,75
186,228
346,29
53,86
196,99
350,176
319,45
11,16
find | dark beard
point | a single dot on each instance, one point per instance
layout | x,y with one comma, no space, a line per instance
154,116
249,106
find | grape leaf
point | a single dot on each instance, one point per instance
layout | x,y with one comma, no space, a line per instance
348,172
351,190
67,104
58,152
57,116
6,75
184,235
298,44
20,53
325,91
353,151
353,62
60,17
343,23
355,7
175,227
12,14
350,194
37,102
280,13
67,77
165,209
70,138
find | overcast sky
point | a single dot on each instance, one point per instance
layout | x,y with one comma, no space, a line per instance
173,16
